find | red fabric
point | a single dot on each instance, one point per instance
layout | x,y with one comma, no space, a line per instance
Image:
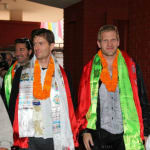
133,79
72,117
21,142
84,96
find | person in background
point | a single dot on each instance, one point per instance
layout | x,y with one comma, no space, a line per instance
9,59
23,50
10,89
2,72
44,115
3,67
113,111
6,132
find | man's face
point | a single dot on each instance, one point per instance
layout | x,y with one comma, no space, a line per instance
109,43
42,49
22,53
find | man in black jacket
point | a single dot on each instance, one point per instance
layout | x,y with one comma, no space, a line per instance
113,110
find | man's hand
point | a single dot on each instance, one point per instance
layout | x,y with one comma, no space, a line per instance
87,139
145,138
1,148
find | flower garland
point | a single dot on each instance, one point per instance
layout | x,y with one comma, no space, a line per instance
38,92
110,83
13,68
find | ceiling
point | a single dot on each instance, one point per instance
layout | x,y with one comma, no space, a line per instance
57,3
34,10
24,10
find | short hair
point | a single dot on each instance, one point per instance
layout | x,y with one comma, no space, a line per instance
107,28
25,41
47,34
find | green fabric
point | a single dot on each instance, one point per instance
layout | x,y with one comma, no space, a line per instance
95,75
131,124
8,84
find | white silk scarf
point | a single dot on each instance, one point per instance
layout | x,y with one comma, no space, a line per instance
63,139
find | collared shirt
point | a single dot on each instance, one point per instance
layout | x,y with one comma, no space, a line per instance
110,110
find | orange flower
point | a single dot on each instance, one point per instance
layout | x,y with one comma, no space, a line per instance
13,72
38,92
110,83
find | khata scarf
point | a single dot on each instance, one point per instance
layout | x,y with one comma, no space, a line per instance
66,131
129,112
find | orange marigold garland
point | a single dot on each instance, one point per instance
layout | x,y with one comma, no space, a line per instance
13,72
38,92
110,83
